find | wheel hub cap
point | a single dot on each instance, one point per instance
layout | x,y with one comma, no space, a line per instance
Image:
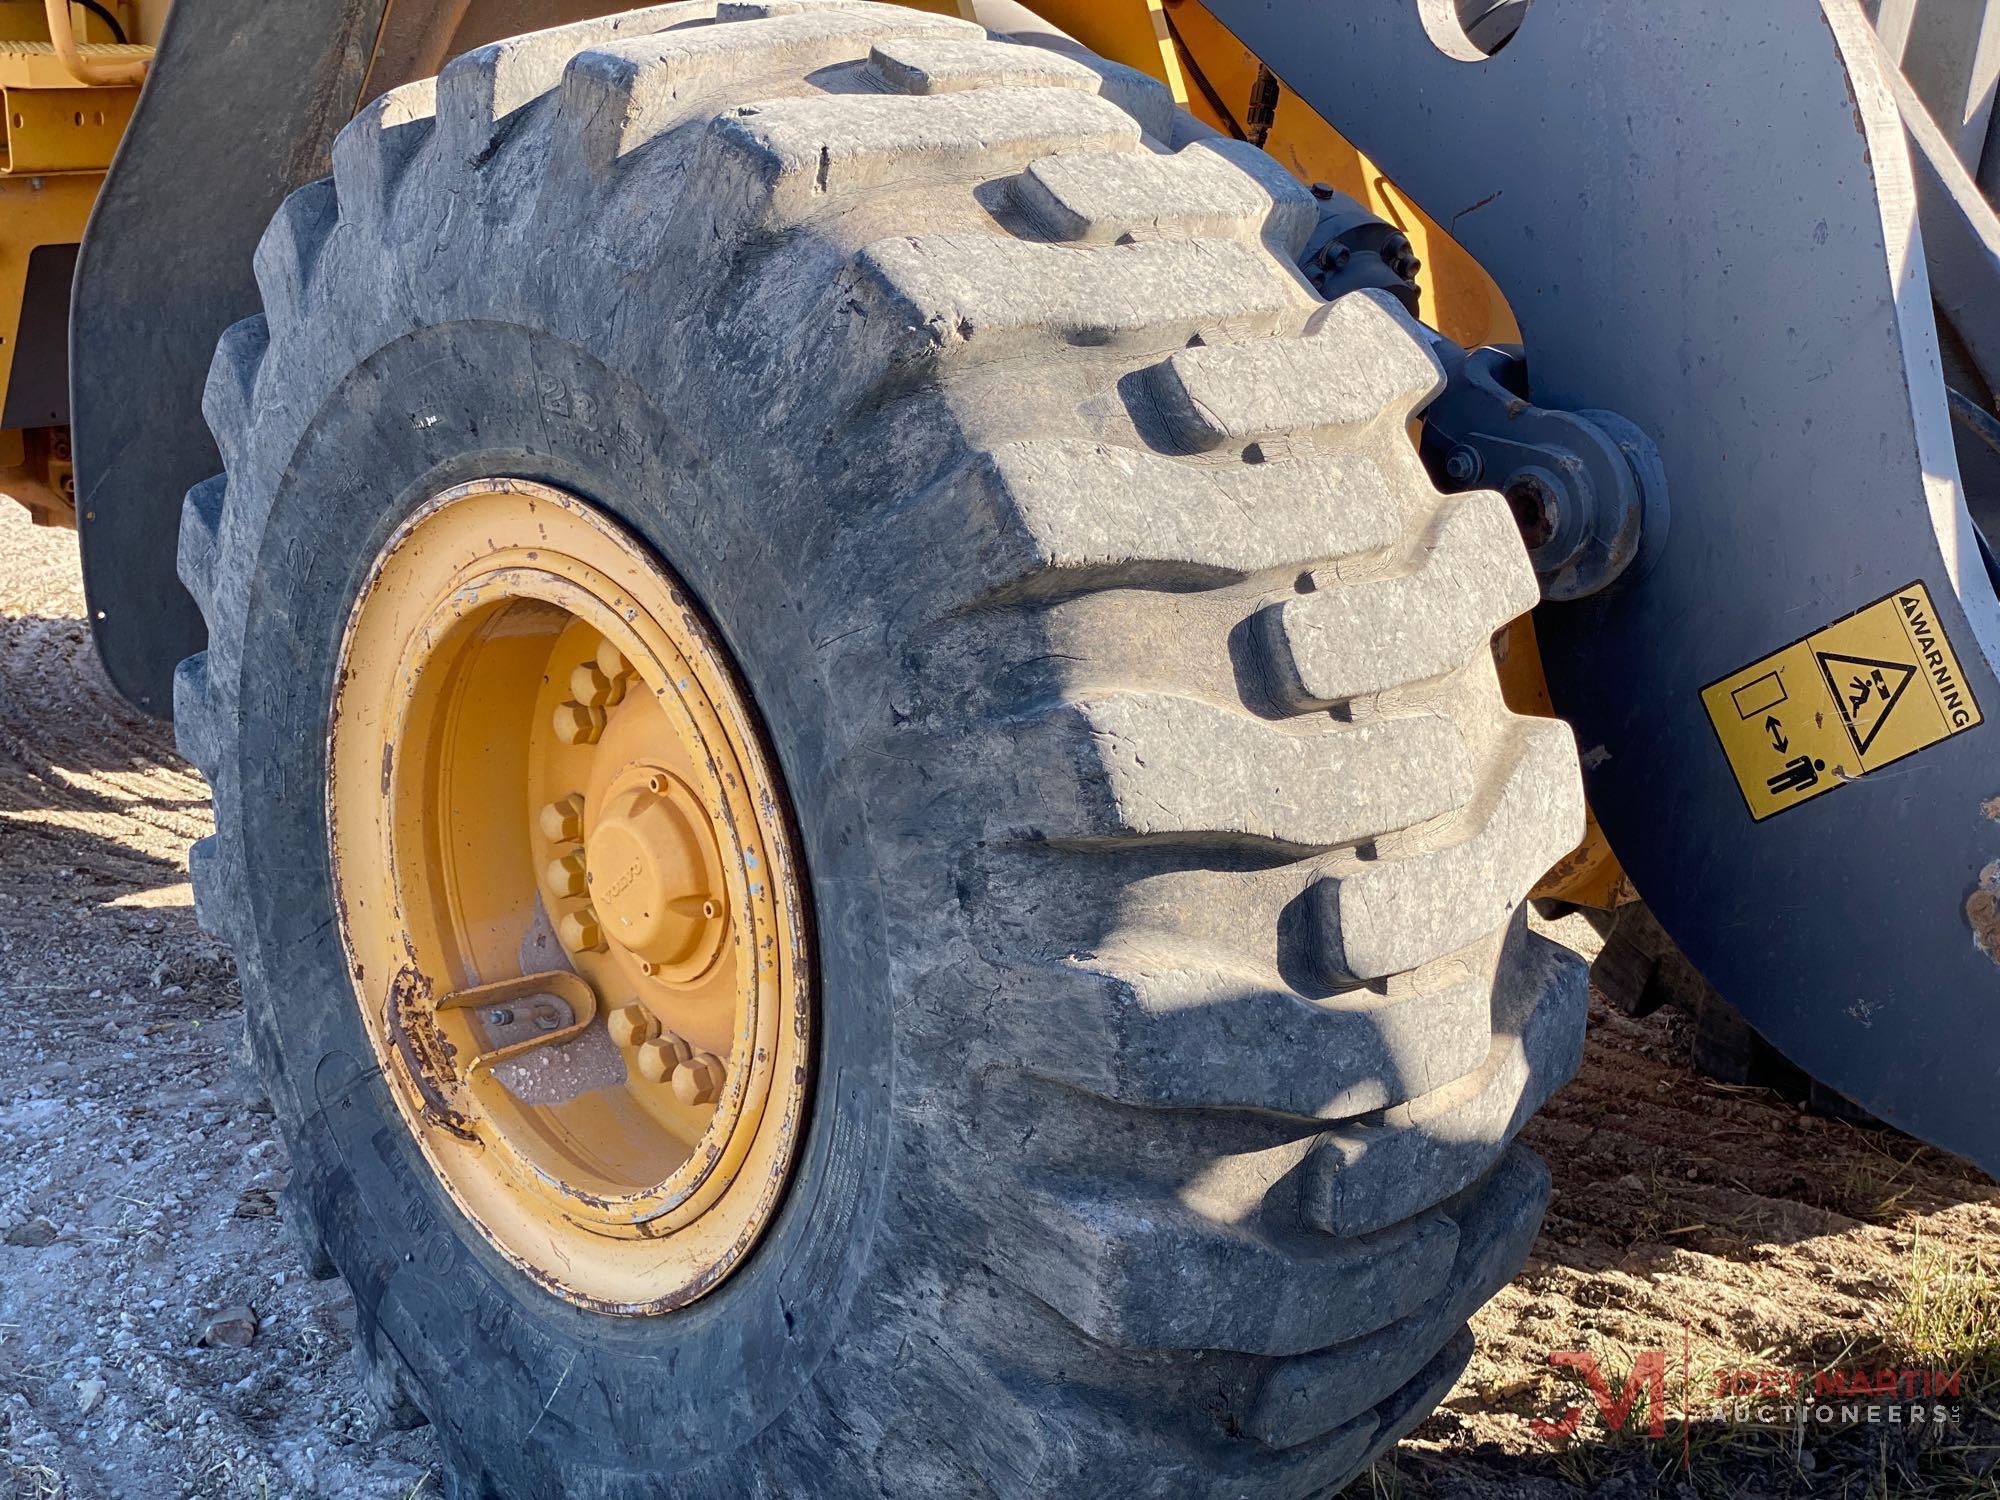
655,875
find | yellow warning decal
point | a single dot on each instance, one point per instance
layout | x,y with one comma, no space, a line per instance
1869,689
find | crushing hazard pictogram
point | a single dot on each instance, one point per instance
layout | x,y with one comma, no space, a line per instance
1850,698
1865,690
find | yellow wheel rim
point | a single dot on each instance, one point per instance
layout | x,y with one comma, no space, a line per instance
569,895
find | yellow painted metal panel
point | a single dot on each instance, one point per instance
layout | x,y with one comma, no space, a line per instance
56,139
49,130
35,211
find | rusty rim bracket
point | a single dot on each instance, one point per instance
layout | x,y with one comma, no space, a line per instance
500,1022
569,895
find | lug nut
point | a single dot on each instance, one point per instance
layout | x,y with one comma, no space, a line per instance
632,1026
581,932
662,1058
562,820
595,686
579,723
565,874
699,1080
611,661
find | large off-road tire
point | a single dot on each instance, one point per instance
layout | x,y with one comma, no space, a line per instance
1167,833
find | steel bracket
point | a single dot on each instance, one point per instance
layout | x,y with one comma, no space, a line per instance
1578,481
1350,248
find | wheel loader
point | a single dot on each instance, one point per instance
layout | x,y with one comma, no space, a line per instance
885,684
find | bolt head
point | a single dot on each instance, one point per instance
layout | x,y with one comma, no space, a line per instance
1462,466
595,687
565,874
611,660
562,820
581,932
579,723
660,1059
499,1016
632,1026
699,1080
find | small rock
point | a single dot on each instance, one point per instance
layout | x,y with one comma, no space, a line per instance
33,1233
89,1395
233,1328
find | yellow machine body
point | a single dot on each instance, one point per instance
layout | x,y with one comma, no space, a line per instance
58,132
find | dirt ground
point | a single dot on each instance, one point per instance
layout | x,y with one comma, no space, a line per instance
1719,1232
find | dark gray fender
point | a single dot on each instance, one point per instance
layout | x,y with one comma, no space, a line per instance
242,105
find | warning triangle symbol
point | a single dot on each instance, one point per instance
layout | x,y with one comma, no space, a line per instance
1866,690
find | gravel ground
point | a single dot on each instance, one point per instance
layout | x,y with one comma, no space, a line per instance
138,1198
138,1220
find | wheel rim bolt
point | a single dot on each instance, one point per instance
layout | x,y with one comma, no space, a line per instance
579,723
698,1080
595,687
581,932
661,1058
632,1026
562,820
565,874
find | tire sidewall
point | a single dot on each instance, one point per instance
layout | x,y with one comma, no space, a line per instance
499,1365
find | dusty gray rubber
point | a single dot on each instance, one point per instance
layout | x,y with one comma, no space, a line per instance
1132,686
